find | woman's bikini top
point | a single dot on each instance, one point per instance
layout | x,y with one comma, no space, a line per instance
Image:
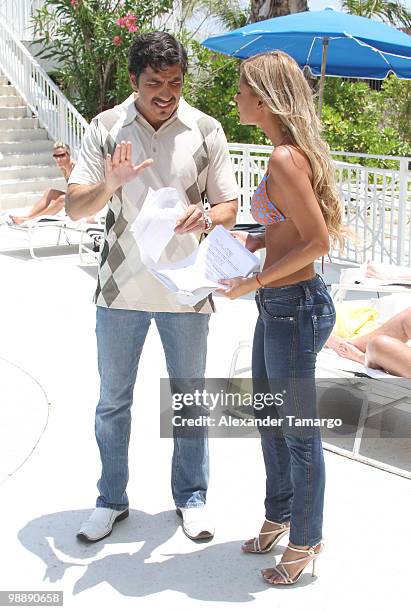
262,209
266,212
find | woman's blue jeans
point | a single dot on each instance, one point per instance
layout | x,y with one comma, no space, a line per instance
293,325
120,339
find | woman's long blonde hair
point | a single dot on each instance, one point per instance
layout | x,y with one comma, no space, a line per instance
277,80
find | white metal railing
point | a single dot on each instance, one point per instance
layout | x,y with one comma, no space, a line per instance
56,114
18,14
377,202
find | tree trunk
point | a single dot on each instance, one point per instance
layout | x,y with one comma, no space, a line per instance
267,9
106,82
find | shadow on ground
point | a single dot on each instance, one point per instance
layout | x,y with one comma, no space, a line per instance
216,572
44,252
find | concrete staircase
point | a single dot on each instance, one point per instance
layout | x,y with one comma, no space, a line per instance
27,168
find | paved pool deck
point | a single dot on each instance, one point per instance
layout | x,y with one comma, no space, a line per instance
49,466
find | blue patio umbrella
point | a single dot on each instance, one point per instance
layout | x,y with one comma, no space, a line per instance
329,42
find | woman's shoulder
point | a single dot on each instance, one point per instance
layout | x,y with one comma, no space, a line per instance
287,160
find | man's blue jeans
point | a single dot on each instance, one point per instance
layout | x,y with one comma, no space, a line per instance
293,325
120,339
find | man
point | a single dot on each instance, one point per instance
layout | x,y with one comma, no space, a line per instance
52,201
177,146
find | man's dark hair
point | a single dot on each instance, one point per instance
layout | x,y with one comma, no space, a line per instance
158,50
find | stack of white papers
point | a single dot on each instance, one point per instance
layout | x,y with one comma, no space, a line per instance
154,227
219,256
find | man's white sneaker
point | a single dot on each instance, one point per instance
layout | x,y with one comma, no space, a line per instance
197,524
100,524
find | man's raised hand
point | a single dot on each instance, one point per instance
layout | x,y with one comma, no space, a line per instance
120,168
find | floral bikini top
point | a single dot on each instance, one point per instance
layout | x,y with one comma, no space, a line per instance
262,209
266,212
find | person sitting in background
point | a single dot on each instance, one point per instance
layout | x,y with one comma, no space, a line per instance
52,201
385,348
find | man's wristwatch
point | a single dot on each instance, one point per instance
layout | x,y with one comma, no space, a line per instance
208,224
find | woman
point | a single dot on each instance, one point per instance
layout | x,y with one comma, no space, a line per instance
52,201
298,203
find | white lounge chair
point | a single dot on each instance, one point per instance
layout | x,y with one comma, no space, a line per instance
64,227
94,233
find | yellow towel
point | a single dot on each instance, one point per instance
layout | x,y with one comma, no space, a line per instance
354,320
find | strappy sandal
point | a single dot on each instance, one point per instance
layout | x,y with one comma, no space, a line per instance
311,555
282,529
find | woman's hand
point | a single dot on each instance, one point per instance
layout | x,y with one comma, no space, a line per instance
251,242
236,287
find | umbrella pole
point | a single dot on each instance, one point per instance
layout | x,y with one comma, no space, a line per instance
322,79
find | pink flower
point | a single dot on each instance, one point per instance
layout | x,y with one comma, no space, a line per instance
73,3
117,40
128,21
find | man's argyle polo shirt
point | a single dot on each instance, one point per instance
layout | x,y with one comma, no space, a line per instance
190,153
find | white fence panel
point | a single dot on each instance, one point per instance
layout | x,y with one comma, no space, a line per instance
377,202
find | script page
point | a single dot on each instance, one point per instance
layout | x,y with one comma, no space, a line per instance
154,227
219,256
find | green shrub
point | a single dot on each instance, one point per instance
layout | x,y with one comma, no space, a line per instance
359,119
89,40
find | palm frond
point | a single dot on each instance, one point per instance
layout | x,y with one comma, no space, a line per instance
391,12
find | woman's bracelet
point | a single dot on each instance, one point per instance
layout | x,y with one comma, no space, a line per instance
258,280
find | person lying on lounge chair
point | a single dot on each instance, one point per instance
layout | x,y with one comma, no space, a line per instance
385,348
387,272
52,201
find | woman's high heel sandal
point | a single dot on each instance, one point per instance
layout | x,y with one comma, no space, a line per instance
311,555
282,529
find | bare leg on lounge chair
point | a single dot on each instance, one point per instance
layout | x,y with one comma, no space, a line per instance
389,354
384,348
51,203
398,327
345,348
386,272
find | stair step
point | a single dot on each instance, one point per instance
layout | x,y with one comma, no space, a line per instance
18,173
19,200
11,101
22,146
25,159
33,184
8,112
7,90
24,134
18,123
3,80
